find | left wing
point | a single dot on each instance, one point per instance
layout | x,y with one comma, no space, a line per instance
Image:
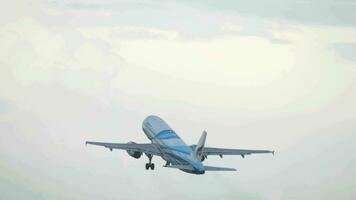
221,151
148,148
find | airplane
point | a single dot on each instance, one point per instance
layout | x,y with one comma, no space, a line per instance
167,144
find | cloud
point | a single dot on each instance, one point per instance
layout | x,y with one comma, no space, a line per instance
201,19
143,32
4,106
346,50
339,13
35,54
273,32
113,5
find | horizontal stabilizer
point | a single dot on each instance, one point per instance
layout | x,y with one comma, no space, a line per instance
211,168
184,167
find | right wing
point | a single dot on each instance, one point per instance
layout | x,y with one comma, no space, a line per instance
148,148
221,151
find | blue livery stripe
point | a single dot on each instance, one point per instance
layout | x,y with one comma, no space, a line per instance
166,134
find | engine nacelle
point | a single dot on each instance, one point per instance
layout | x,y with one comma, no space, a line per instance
134,154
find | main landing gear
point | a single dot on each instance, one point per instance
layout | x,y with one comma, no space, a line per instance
167,164
150,164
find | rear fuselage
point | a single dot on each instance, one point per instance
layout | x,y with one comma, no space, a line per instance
171,146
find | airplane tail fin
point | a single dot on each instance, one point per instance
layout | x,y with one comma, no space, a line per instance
200,146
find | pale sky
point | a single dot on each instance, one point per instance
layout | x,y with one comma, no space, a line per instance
277,75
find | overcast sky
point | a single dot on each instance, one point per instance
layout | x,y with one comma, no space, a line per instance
277,75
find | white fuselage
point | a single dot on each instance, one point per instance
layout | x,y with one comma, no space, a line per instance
171,146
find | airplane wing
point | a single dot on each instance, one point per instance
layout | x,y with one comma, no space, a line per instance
144,147
222,151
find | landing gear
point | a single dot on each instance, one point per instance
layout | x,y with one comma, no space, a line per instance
167,164
150,164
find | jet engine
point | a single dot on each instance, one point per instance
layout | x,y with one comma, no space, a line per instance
134,154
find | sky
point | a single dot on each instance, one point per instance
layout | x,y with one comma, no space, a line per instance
278,75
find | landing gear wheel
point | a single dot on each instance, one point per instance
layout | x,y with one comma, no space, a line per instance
149,164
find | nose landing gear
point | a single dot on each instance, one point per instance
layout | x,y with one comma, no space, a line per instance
150,164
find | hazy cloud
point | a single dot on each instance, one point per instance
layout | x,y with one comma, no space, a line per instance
346,50
334,12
